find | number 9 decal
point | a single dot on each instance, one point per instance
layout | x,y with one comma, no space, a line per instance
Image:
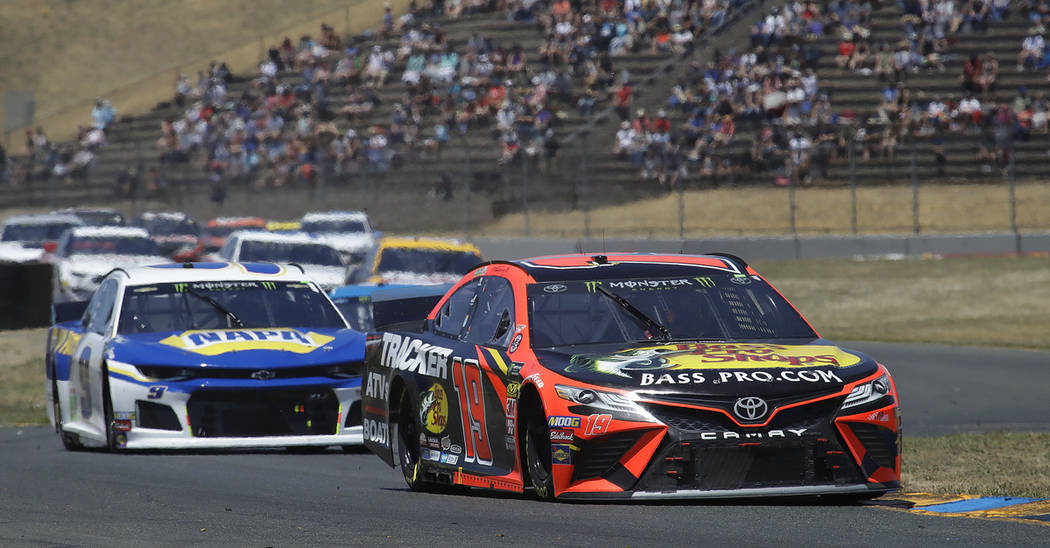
155,392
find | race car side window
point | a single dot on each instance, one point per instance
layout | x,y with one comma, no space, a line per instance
100,308
490,324
454,314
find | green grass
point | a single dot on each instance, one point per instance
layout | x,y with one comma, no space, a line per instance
1013,464
22,382
977,301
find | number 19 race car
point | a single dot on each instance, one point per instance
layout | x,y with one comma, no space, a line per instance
628,376
206,355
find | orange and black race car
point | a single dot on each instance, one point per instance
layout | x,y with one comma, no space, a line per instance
628,376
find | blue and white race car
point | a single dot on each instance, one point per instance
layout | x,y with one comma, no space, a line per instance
206,355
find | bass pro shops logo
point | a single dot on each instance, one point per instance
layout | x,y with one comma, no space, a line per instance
433,409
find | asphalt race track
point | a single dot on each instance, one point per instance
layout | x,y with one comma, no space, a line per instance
49,496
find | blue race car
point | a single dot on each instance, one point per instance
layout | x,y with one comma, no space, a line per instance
206,355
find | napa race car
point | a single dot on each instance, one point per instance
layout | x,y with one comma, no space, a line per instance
205,355
628,376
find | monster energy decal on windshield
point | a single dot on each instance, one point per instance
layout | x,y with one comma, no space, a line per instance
648,285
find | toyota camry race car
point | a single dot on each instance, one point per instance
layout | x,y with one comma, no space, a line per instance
205,355
628,376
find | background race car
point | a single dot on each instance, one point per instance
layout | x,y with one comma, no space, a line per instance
628,376
206,355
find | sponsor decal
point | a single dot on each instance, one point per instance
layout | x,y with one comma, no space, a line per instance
449,459
713,356
430,454
376,432
515,343
740,279
556,421
455,449
535,377
446,443
433,442
515,369
222,286
124,415
513,389
375,386
422,439
554,288
750,408
511,426
561,453
805,375
214,342
563,435
512,408
510,443
409,354
649,285
433,409
766,435
878,416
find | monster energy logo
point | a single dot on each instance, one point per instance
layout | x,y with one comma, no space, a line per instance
269,285
705,281
592,286
181,288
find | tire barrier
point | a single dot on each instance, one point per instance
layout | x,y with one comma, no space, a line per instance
25,295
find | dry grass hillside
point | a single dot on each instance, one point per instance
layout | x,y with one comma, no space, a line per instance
71,50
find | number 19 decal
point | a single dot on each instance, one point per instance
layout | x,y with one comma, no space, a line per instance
466,379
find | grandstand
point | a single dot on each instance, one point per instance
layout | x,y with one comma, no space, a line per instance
584,171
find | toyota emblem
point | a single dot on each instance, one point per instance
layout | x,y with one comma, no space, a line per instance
263,375
750,408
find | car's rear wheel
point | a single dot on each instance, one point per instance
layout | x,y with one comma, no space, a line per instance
538,454
112,444
408,444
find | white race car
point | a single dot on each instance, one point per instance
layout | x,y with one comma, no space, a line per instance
206,355
86,253
321,261
349,232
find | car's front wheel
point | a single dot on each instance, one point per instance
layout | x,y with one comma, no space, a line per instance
538,455
408,444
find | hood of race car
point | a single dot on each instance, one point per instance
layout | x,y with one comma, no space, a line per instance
722,368
274,348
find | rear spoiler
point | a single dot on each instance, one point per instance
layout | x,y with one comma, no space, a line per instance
68,311
405,308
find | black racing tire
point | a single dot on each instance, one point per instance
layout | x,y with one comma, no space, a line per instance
538,454
408,444
69,440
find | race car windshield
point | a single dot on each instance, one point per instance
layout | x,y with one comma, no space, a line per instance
180,306
357,311
427,261
34,233
334,226
717,306
111,246
286,252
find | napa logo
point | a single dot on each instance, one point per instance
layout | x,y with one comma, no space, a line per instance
214,342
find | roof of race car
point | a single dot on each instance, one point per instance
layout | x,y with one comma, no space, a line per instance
624,265
237,221
108,232
428,243
171,215
213,272
315,216
278,237
43,219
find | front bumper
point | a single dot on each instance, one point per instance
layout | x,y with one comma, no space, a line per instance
210,413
